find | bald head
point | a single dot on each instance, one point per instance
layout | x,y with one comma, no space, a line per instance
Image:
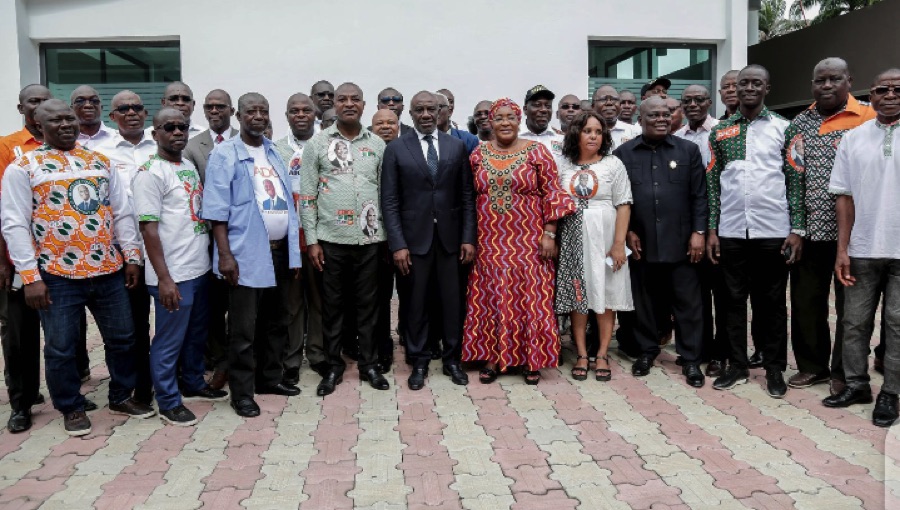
299,97
301,116
755,69
123,97
57,123
166,114
890,74
251,97
35,89
30,98
219,95
130,121
386,125
567,109
179,95
729,76
652,102
49,107
83,91
86,102
831,64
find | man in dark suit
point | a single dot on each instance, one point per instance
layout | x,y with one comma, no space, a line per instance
428,206
218,111
666,236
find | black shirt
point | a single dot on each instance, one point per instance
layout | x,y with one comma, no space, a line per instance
668,182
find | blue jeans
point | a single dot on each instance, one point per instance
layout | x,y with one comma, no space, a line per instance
107,299
180,342
873,276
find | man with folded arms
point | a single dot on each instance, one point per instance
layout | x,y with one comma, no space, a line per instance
256,250
167,193
67,259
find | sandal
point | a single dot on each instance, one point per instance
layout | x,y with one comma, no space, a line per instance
487,375
603,374
579,373
532,377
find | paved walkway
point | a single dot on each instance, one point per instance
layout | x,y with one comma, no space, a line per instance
650,443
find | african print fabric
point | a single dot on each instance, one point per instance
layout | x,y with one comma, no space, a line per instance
810,146
59,210
509,319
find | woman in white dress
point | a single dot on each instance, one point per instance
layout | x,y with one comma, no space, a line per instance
593,266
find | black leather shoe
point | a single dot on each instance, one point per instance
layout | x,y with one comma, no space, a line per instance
326,387
39,399
775,384
885,413
384,365
246,407
375,379
756,360
641,367
321,368
291,376
457,376
851,395
20,421
715,368
89,405
205,393
279,389
731,378
693,375
416,379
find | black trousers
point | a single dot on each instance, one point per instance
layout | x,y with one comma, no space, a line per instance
662,287
20,332
811,281
258,320
756,268
433,281
217,342
715,324
350,277
139,298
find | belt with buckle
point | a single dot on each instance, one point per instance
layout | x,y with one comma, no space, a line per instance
277,245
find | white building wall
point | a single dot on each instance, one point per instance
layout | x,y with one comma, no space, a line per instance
478,49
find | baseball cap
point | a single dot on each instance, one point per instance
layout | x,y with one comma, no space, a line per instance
665,82
537,92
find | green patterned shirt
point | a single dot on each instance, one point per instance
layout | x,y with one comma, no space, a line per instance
339,188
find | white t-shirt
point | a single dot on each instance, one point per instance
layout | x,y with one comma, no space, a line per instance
269,190
171,194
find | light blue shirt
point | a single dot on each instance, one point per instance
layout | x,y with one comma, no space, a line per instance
228,196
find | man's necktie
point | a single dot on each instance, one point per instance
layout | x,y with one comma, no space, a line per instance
219,139
432,156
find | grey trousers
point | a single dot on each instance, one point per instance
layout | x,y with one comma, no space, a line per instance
860,302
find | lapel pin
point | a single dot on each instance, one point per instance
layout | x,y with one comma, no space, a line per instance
673,165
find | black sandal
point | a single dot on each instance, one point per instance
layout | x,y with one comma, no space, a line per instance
579,373
532,377
603,374
487,375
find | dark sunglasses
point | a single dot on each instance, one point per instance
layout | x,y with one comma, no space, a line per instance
177,97
325,94
82,101
172,126
388,99
688,100
215,107
123,108
882,90
567,106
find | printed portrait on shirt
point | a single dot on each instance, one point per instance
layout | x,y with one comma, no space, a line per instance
273,199
796,152
583,184
340,157
83,196
368,218
103,191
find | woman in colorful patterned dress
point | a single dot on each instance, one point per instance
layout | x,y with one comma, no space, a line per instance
592,237
509,319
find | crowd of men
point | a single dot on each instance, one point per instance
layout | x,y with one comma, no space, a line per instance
257,252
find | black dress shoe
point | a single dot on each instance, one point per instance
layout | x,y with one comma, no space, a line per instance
775,384
384,365
89,405
886,412
641,367
326,387
715,368
416,379
246,407
20,421
457,376
731,378
756,360
851,395
693,375
321,368
281,388
375,379
39,399
291,376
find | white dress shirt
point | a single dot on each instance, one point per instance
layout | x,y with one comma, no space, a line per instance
424,144
90,142
700,137
551,139
226,135
622,132
867,167
126,157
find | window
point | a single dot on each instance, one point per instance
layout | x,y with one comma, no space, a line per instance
145,68
630,67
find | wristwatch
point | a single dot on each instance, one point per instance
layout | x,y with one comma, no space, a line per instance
701,232
799,231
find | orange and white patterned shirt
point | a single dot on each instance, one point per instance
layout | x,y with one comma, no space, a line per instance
61,211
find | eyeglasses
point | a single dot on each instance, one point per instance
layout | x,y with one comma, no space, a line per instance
388,99
567,106
82,101
325,94
124,108
172,126
689,100
882,90
606,99
215,107
178,97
